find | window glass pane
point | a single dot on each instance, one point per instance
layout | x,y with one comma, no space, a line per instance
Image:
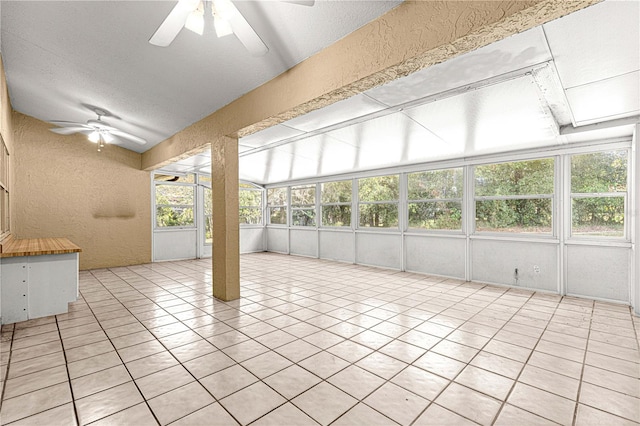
599,172
278,215
303,195
277,196
208,201
208,230
168,177
379,188
303,217
336,215
435,184
336,192
204,178
250,197
435,215
519,178
174,194
516,215
379,215
598,216
174,216
251,215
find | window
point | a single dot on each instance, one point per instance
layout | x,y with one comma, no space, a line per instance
277,205
515,197
435,199
303,205
208,215
250,199
4,190
174,202
598,193
378,202
336,203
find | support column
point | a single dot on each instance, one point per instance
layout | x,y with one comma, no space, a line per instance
226,229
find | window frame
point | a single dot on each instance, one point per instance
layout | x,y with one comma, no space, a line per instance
460,200
396,202
251,187
497,233
304,207
337,203
156,205
626,233
5,191
270,206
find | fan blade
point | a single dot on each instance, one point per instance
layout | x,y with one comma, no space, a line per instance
173,23
300,2
70,130
128,136
69,124
247,36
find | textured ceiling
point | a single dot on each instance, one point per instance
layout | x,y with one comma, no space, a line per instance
62,57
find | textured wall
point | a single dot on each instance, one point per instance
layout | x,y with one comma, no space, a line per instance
412,36
63,187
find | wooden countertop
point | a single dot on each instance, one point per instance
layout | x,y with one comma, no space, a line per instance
11,247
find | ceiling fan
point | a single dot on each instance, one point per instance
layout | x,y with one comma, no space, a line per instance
98,131
227,20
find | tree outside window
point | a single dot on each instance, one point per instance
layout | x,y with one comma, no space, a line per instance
435,199
303,205
277,205
174,205
336,203
378,201
250,200
599,193
515,197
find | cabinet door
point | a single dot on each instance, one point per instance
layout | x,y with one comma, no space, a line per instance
14,295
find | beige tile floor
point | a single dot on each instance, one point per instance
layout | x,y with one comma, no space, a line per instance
313,341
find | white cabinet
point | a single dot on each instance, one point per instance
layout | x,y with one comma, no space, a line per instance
37,286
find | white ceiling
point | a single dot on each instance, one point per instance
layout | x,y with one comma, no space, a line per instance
62,57
535,89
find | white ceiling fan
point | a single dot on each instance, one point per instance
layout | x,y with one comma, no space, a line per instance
98,131
227,20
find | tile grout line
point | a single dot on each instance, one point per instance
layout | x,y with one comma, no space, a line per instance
6,374
516,381
66,367
433,402
168,350
584,360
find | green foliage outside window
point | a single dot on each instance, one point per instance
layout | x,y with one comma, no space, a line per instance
378,198
336,203
435,199
277,202
250,200
174,205
598,188
518,196
303,205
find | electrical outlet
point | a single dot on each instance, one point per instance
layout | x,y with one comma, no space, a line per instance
536,269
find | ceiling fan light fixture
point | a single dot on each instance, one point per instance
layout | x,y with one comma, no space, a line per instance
107,137
222,26
224,9
195,22
94,136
